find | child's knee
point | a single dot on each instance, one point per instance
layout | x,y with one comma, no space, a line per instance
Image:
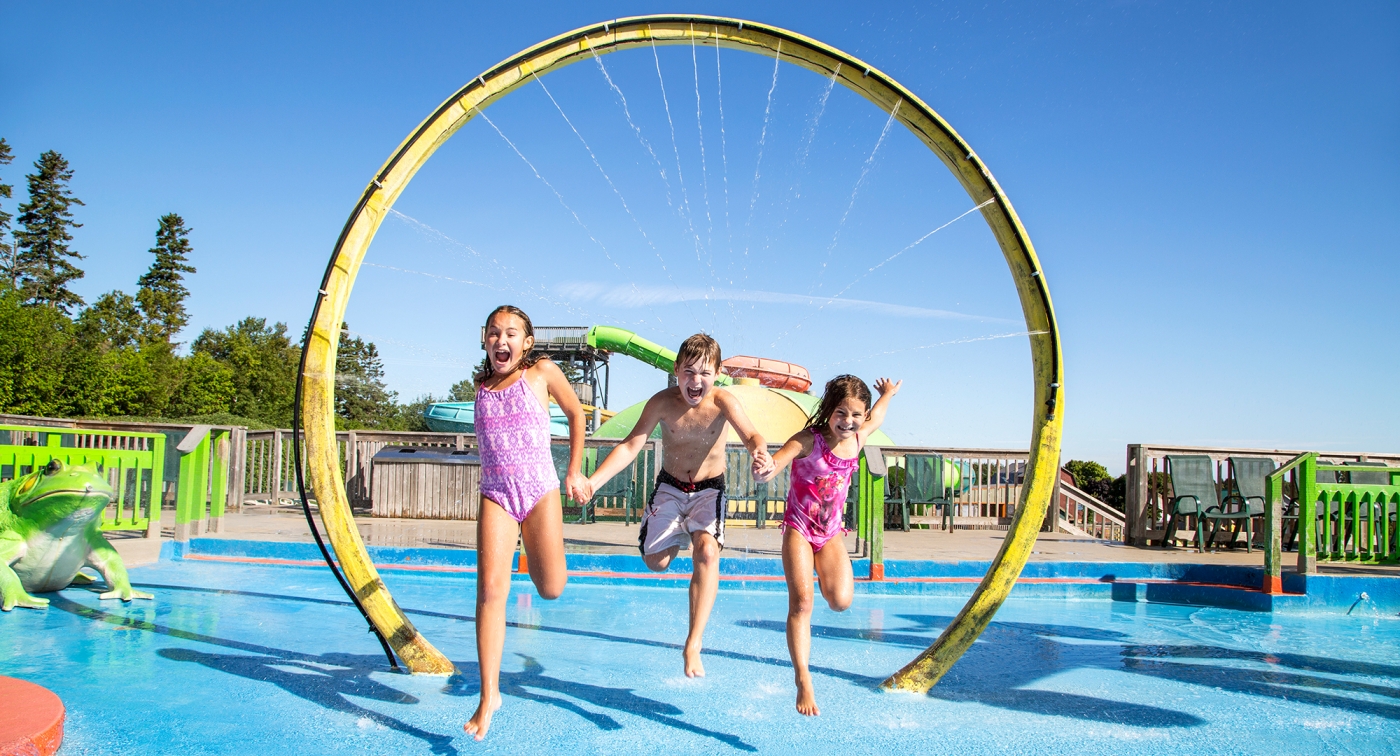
551,587
800,604
839,599
659,561
492,592
706,552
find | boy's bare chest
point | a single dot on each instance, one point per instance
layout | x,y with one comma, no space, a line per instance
700,425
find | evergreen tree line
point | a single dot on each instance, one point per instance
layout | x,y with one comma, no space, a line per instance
118,358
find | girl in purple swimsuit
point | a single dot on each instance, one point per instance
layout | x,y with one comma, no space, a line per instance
519,487
823,457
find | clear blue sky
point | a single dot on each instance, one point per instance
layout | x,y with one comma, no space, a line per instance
1213,190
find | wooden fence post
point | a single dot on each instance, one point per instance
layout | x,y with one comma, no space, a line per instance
1135,497
275,480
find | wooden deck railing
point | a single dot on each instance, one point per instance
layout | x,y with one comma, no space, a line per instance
201,468
1078,513
1149,494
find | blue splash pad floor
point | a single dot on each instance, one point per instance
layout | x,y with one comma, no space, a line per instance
252,659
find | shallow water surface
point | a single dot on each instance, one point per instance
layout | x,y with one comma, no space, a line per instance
252,659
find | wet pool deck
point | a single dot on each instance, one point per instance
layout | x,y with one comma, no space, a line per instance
287,524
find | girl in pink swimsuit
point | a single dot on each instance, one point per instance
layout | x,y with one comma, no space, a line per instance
823,457
519,487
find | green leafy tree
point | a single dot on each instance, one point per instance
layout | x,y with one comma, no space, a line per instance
410,416
207,387
7,250
32,356
112,322
361,398
162,294
1086,472
263,362
462,391
1093,478
42,256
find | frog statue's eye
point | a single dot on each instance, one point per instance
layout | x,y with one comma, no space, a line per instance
54,467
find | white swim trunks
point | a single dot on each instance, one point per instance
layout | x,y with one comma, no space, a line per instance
677,509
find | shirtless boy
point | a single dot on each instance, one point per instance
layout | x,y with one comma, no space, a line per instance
688,505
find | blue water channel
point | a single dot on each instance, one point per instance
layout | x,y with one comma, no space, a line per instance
236,658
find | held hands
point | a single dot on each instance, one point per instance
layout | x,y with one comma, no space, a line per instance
887,387
578,487
763,468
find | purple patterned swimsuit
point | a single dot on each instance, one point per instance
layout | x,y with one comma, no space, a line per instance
817,496
512,430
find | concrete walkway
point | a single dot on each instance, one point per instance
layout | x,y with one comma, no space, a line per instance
286,523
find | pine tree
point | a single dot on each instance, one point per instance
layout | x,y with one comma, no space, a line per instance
463,391
41,265
361,398
7,250
162,295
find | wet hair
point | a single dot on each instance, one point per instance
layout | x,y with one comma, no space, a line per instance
484,370
699,347
838,390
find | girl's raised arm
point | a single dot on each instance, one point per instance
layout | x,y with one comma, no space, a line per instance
575,484
887,389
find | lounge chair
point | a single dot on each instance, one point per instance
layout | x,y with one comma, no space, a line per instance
1249,492
1193,494
619,485
924,485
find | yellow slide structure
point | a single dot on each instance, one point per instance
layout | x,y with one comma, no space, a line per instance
641,32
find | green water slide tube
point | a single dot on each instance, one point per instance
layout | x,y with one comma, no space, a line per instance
623,341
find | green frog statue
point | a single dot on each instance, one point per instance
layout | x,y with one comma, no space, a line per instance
49,530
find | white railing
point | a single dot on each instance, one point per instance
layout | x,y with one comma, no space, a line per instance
1079,513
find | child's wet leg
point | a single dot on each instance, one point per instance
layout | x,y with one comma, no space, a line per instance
797,568
659,561
543,535
704,584
833,566
495,545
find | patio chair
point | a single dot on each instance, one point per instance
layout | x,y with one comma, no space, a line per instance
621,484
1194,494
560,454
924,485
1250,492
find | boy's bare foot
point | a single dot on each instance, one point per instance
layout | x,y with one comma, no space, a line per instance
806,699
693,666
481,720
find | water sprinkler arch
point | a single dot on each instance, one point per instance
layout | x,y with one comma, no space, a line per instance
317,378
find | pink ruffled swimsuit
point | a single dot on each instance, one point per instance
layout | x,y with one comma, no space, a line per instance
512,430
817,496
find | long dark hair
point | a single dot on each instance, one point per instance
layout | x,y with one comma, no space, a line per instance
838,390
484,371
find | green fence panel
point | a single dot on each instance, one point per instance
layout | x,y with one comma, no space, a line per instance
1338,520
133,472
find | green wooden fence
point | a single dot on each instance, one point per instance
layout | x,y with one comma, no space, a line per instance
132,462
138,468
1337,513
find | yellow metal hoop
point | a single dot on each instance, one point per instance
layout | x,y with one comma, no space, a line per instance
318,407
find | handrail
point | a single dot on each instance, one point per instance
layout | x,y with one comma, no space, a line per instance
1355,518
1273,521
1093,504
1080,513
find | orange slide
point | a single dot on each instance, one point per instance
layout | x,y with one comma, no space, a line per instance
771,373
